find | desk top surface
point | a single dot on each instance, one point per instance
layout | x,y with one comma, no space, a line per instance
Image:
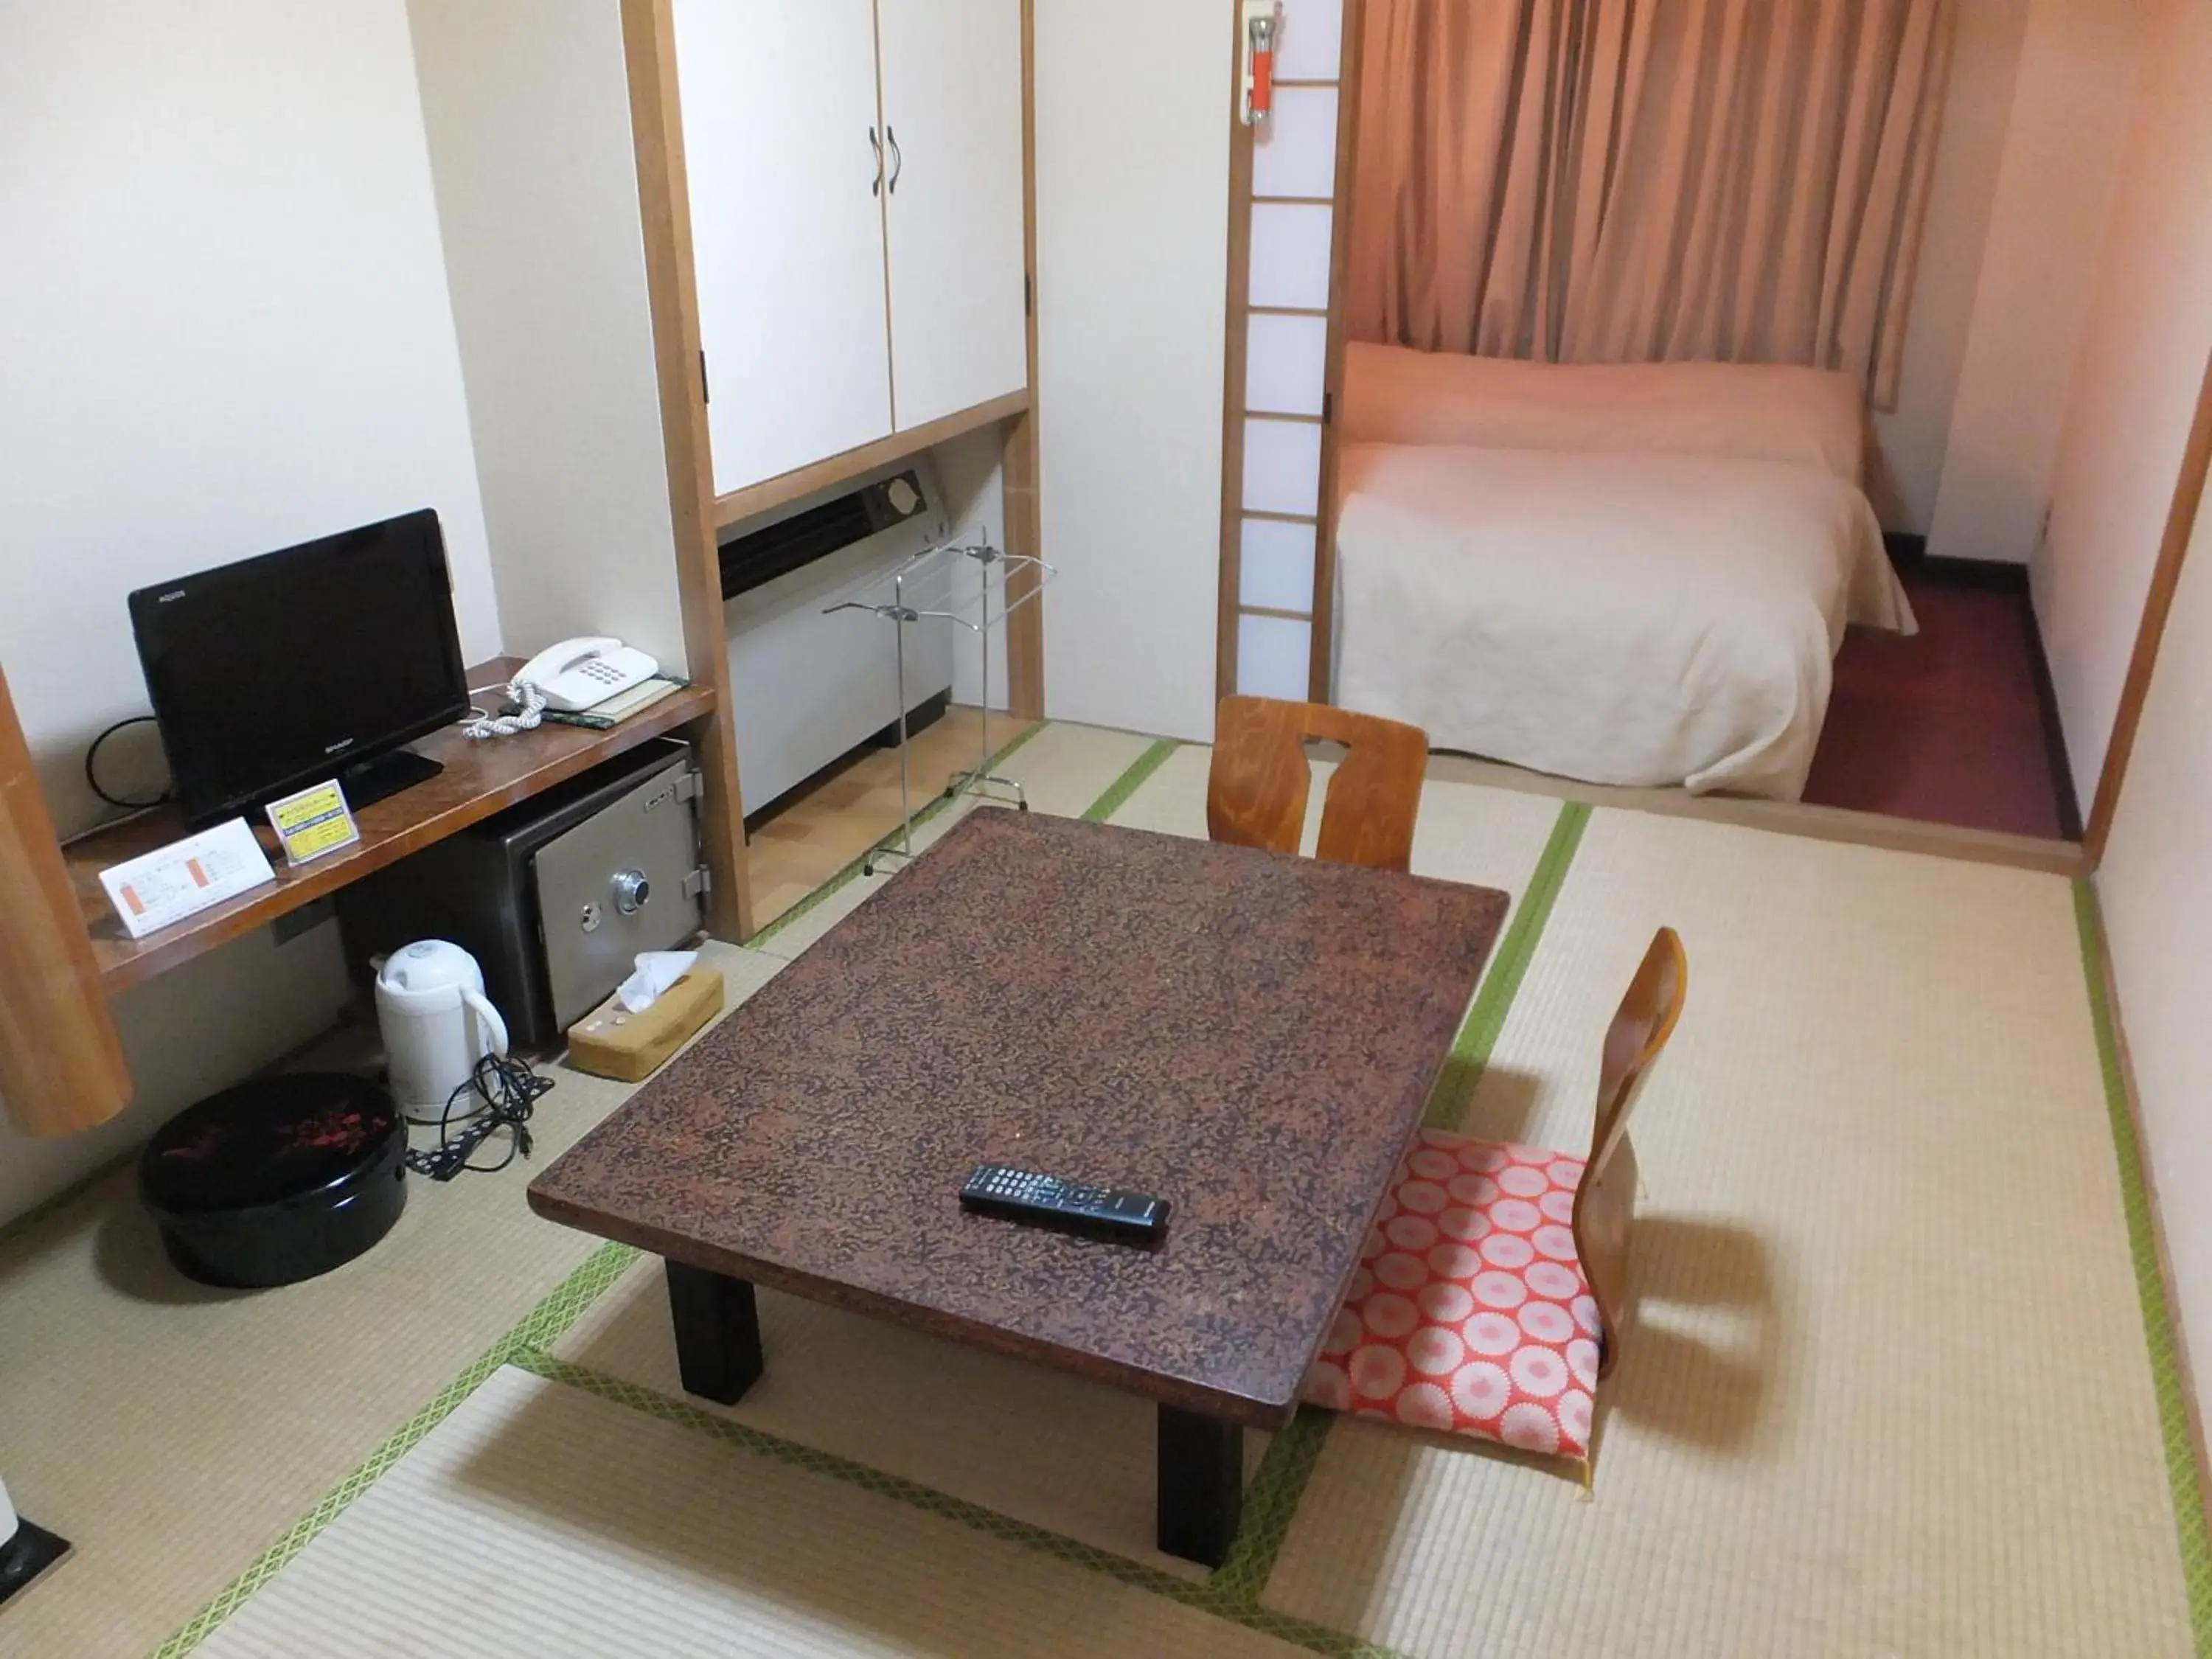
1252,1037
479,780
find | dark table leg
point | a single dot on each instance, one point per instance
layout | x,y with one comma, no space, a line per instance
718,1345
1201,1485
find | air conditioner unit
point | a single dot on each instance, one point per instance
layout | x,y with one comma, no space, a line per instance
807,689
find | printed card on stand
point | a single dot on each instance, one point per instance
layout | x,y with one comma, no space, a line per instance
312,823
166,885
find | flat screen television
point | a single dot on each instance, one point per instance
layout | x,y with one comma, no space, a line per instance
316,661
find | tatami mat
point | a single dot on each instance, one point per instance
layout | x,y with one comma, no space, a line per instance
171,1431
538,1520
992,1431
1889,1395
1172,800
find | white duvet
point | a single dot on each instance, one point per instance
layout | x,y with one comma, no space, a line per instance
1646,619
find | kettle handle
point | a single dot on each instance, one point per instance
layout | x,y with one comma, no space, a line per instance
493,1028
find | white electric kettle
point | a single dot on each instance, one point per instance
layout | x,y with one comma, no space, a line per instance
436,1021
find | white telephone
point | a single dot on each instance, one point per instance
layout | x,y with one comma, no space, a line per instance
573,675
577,673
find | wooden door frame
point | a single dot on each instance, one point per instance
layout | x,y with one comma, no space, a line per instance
1230,594
1350,56
1024,528
2150,633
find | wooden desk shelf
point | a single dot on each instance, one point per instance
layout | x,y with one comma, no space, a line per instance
479,780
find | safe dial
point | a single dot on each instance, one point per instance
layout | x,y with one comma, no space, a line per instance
631,891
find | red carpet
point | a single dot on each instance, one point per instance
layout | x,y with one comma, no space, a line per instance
1944,726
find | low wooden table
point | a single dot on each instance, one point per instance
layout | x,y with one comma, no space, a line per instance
1250,1036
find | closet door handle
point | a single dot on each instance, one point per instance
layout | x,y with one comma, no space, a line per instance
898,161
876,144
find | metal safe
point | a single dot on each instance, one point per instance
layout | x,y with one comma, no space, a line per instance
554,897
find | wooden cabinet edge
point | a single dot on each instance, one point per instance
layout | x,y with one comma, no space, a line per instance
769,493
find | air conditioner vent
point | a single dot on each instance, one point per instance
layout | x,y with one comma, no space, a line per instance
759,556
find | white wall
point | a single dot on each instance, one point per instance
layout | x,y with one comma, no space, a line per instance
2156,890
526,104
226,330
2131,405
1904,463
2079,65
2145,346
1132,224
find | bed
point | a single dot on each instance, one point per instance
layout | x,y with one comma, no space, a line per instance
1635,574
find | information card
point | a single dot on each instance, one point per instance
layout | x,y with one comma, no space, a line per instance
166,885
314,822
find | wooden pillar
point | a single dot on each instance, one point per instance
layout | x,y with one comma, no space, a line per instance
665,205
61,1067
1024,526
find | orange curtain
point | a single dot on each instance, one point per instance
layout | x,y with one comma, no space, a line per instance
61,1067
1625,182
1458,173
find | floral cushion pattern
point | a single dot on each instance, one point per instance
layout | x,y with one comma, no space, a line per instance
1470,1311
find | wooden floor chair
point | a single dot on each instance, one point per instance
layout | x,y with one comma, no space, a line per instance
1256,792
1495,1287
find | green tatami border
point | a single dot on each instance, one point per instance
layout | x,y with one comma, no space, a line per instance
1118,792
1210,1595
544,1323
1509,966
2181,1471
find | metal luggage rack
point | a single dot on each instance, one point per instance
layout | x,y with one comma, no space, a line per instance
972,584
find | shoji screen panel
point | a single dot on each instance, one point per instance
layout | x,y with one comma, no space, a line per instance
1282,366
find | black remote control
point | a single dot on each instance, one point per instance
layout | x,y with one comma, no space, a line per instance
1021,1196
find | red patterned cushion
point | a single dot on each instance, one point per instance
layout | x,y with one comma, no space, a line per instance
1470,1311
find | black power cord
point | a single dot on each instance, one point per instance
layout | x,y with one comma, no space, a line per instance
500,1093
92,779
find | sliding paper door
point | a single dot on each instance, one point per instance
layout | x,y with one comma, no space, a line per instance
1278,513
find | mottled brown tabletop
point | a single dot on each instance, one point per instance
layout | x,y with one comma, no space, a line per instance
1252,1037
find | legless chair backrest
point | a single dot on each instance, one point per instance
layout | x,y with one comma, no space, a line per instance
1605,1201
61,1069
1256,792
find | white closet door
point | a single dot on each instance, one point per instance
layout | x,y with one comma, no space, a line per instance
952,101
779,100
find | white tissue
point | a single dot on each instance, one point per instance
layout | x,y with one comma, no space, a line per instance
656,971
